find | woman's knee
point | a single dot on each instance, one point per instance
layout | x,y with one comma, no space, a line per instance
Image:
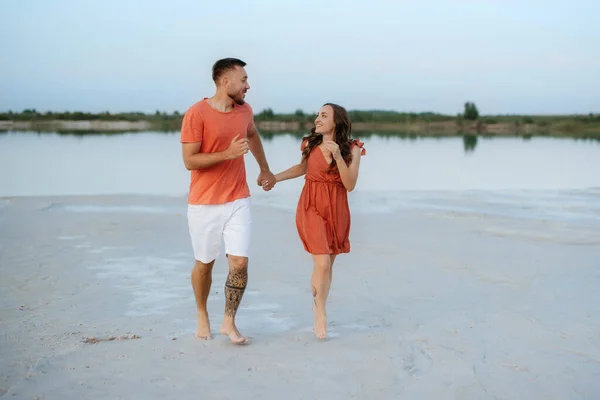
323,263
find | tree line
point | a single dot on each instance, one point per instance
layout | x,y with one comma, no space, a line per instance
34,115
470,113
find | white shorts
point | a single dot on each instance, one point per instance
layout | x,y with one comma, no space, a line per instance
211,224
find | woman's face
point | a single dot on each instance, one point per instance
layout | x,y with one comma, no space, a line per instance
324,123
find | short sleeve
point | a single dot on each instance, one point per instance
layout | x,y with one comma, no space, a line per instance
357,142
303,144
250,117
192,126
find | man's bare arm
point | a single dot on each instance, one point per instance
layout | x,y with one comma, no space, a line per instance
266,179
194,159
257,149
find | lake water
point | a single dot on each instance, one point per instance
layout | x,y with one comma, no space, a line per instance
538,177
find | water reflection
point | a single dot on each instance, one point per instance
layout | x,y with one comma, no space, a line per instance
394,162
469,142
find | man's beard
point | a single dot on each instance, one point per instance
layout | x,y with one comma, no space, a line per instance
238,99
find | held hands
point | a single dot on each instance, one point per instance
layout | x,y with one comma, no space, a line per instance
237,148
266,179
333,149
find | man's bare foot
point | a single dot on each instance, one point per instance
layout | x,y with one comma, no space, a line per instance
234,335
320,324
203,327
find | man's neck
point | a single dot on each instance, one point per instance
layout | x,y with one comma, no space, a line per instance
221,102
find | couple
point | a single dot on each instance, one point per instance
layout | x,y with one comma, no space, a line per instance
216,133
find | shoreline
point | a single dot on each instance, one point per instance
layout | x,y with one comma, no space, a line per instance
420,128
424,306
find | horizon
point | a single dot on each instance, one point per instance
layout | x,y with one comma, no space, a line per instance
509,58
256,112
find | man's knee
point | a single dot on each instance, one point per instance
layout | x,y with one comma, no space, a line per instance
204,268
238,273
238,263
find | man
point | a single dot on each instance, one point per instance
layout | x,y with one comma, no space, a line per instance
216,132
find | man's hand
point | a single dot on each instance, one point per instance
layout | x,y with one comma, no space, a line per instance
237,148
266,179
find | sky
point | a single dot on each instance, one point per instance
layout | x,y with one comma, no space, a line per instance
507,56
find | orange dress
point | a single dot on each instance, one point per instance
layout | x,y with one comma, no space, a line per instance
323,215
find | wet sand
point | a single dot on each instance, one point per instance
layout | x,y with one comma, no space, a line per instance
428,305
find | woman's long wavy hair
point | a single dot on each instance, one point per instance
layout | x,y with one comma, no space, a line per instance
343,132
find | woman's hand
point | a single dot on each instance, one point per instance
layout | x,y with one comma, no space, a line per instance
333,149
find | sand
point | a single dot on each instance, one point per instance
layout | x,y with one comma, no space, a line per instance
429,305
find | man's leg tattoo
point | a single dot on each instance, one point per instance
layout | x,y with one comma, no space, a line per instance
314,291
234,290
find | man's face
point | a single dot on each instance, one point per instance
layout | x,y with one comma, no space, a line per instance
237,84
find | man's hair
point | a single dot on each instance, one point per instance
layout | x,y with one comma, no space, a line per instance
225,64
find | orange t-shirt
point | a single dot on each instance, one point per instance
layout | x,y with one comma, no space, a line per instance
225,181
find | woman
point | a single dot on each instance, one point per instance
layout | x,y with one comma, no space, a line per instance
330,160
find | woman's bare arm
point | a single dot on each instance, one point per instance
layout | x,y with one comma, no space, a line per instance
292,172
349,173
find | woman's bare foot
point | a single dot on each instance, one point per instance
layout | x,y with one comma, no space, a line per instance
234,335
320,324
203,327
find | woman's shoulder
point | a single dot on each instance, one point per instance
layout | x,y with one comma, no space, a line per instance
305,143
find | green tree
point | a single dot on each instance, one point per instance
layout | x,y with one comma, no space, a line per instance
267,113
471,113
